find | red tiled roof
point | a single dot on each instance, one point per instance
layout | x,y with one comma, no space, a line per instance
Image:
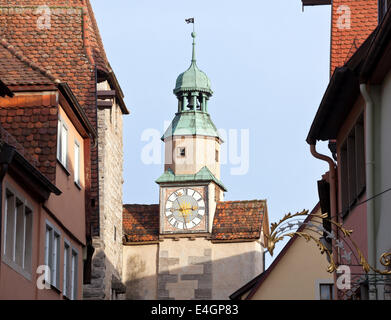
238,220
16,69
32,121
141,222
70,48
29,122
345,41
59,49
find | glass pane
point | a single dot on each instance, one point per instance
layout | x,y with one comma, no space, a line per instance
59,140
325,291
28,239
56,258
10,226
20,231
77,163
66,270
48,252
64,145
73,276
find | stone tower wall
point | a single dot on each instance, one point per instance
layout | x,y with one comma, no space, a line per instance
107,259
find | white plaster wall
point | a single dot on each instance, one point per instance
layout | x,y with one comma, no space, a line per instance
382,126
200,152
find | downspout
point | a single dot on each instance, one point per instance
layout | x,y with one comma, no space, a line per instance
369,165
333,202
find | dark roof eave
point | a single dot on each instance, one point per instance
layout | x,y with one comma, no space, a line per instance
379,46
5,91
247,287
112,79
341,92
68,94
315,2
340,95
9,155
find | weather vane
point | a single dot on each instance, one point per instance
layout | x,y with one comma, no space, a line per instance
191,20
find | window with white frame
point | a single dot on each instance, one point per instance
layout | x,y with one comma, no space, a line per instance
18,233
52,255
326,291
74,270
62,143
66,284
77,163
70,280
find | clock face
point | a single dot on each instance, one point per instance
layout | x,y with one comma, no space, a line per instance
185,209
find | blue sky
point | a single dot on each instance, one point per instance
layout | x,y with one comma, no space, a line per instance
269,66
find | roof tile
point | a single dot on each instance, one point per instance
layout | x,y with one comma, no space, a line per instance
238,220
234,220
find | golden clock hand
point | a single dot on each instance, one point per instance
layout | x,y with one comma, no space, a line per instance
185,224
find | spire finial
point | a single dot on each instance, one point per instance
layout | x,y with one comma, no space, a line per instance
193,58
193,35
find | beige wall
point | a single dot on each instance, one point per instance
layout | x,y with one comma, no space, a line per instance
215,194
235,264
200,152
140,271
296,274
69,207
189,269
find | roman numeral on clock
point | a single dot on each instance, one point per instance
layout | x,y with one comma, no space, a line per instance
199,216
169,215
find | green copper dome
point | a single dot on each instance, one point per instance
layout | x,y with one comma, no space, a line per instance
192,123
193,79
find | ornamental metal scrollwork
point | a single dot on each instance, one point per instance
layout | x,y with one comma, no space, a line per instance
345,244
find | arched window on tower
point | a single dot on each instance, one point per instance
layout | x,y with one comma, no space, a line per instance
199,102
190,102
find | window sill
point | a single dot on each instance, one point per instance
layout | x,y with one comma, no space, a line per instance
16,268
64,168
55,289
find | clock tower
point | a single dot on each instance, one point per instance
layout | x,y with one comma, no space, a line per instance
190,186
192,245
